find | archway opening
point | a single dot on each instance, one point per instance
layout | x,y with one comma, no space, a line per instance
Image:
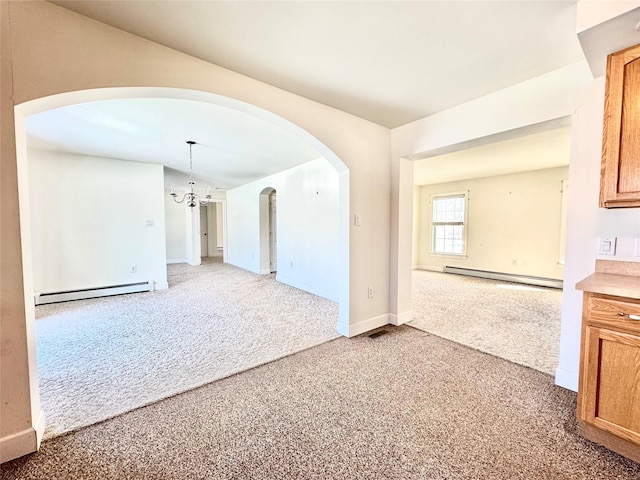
24,111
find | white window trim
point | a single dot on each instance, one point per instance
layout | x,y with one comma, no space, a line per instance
465,227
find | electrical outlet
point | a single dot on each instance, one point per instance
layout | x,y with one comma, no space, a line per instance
370,292
356,219
133,269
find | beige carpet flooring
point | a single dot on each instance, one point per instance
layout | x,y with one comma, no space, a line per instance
406,405
519,323
101,357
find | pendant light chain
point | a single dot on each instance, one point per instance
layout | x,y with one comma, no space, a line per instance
192,198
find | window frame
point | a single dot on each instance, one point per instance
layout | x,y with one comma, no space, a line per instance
465,224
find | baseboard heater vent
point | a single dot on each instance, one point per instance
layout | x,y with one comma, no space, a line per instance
505,277
55,297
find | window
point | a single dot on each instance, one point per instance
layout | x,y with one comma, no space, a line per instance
448,222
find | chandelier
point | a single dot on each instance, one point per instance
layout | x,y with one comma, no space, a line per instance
192,198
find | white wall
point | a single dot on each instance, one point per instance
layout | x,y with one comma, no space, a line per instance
212,230
551,96
513,223
415,230
587,222
89,220
307,227
219,226
176,230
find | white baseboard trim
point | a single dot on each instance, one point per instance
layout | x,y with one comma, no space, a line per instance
176,260
24,442
18,444
95,292
362,326
242,266
400,318
265,271
39,428
567,379
431,268
320,292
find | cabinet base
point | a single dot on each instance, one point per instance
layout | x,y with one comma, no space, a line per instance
616,444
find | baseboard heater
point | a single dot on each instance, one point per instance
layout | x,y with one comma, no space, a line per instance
505,277
54,297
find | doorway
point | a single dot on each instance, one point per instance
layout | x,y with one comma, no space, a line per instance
211,229
268,231
204,230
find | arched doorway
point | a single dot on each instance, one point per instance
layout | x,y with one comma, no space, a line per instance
23,111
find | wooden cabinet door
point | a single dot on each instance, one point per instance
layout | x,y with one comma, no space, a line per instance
620,175
610,391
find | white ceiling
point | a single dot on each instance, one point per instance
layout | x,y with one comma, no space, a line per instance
233,147
548,149
391,62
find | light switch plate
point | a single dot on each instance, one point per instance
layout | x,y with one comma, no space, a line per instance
607,246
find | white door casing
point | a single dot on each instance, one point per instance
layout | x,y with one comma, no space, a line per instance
273,233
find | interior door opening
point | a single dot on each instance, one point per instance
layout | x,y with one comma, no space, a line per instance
204,230
268,231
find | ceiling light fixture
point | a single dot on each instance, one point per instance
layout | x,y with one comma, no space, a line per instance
192,198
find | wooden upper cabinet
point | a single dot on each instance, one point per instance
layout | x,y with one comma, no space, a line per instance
620,175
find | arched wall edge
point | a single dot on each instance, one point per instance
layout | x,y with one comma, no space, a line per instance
24,110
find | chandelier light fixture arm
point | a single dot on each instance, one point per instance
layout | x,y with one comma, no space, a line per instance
191,198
